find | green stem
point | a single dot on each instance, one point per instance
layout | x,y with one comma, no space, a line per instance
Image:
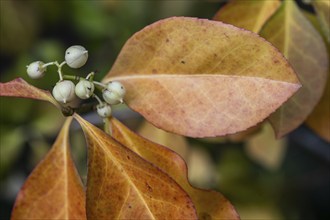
59,66
107,126
98,99
49,64
70,77
90,76
99,86
60,69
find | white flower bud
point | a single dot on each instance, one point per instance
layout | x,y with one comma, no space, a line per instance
117,87
64,91
104,110
36,70
84,89
76,56
114,93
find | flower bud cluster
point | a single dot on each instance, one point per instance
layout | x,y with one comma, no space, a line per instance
65,91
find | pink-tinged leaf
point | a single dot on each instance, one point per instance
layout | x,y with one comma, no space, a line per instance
20,88
122,185
291,32
209,204
248,14
54,189
200,78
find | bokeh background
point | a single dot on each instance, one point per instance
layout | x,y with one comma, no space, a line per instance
264,178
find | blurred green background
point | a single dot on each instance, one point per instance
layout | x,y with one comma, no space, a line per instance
296,187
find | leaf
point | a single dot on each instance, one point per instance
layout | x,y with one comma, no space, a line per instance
303,46
20,88
319,120
175,142
265,149
250,15
202,171
209,204
200,78
54,189
122,185
322,8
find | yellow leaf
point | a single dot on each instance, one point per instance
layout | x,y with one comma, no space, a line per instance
265,149
209,204
122,185
54,189
247,14
319,120
322,8
175,142
303,46
201,78
202,171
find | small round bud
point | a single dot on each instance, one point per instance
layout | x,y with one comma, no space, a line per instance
84,89
117,87
36,70
114,93
111,97
76,56
64,91
104,110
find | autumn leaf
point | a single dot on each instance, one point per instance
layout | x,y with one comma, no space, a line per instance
175,142
54,189
122,185
291,32
209,204
20,88
250,15
265,149
306,58
319,120
322,9
198,78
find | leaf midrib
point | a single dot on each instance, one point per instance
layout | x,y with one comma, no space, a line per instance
121,167
159,76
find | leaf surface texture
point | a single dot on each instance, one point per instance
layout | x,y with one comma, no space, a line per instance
54,189
122,185
199,78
